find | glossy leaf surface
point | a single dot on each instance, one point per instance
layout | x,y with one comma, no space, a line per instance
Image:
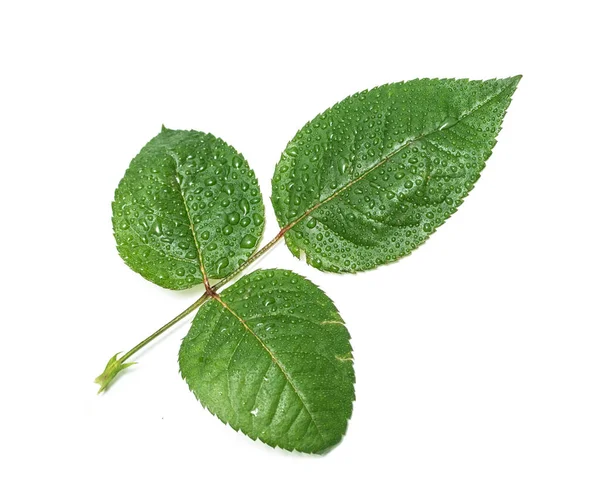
187,201
370,179
272,358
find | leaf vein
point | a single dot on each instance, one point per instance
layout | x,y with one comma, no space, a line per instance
385,159
189,216
275,360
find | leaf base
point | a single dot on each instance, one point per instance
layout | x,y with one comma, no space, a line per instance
113,368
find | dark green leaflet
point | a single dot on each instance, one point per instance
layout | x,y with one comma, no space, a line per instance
369,180
272,358
188,200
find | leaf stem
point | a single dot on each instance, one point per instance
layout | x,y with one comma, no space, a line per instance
255,256
165,327
116,365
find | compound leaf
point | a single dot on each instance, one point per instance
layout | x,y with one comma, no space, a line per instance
187,202
370,179
271,357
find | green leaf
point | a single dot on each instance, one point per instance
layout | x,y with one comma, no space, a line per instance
370,179
188,201
271,357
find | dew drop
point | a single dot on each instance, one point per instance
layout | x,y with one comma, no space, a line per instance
449,122
233,218
222,264
244,206
248,241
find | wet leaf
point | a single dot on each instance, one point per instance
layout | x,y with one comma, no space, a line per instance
187,201
272,358
370,179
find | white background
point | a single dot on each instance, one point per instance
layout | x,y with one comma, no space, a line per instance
477,358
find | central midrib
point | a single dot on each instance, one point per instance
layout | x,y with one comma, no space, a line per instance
386,158
189,215
226,306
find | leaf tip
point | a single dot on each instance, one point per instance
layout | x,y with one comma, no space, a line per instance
514,80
